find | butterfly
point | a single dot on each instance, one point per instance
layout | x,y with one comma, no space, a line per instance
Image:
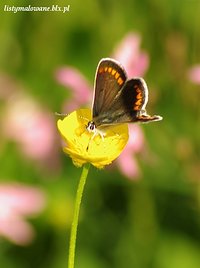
117,99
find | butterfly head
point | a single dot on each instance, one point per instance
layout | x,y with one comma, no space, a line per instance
91,127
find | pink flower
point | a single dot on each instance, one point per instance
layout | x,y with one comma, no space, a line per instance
128,52
136,63
16,202
194,74
81,89
127,161
30,126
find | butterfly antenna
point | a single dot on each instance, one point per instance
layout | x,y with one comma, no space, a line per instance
60,114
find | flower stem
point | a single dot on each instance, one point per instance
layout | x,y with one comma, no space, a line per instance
79,193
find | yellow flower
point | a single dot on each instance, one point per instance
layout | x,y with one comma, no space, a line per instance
82,146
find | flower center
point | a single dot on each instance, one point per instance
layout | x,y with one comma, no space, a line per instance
91,127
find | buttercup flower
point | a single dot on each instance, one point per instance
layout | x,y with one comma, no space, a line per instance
135,62
84,147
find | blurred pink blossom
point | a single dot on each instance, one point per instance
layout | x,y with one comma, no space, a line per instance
128,52
127,161
81,88
194,74
29,125
136,63
17,202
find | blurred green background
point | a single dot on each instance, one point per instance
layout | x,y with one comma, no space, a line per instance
148,222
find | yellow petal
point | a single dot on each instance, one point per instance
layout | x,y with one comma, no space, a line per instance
80,145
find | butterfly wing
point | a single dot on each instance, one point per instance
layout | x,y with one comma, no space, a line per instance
135,98
110,79
129,105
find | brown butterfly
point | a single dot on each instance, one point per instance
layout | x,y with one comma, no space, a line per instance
118,100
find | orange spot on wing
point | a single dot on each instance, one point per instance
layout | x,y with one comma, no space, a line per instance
139,95
116,75
101,70
109,69
120,81
136,108
139,102
137,105
106,69
113,71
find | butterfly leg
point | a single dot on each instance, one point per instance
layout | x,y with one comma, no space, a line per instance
100,133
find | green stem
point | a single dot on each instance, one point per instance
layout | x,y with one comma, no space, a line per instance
79,193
